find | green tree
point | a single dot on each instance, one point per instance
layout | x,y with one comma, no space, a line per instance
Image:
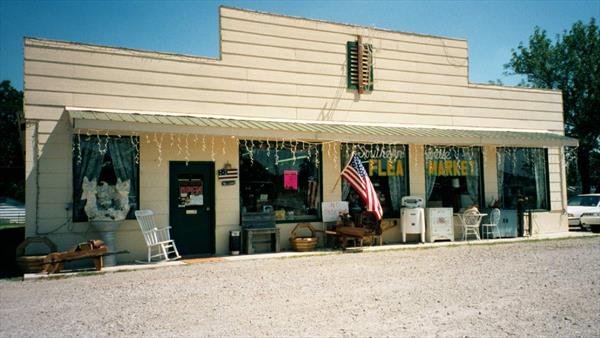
570,63
12,169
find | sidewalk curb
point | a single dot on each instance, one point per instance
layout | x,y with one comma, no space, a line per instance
291,254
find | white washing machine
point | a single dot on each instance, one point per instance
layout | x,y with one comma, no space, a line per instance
412,217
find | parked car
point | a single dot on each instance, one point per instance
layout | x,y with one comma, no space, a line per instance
580,204
591,220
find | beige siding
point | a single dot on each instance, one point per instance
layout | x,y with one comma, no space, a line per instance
270,67
275,66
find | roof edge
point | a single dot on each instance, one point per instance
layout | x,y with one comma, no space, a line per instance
342,23
259,119
44,42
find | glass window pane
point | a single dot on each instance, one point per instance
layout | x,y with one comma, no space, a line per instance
284,177
453,177
523,175
585,201
108,165
388,171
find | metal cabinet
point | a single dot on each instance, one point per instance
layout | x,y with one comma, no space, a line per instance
508,222
439,224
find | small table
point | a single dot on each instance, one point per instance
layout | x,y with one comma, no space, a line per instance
249,238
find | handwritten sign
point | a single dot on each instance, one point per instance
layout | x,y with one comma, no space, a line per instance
331,210
290,180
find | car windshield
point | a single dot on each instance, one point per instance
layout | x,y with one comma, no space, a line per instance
584,201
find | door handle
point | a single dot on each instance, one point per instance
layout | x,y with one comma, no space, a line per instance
207,208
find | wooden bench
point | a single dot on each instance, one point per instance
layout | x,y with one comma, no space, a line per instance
249,238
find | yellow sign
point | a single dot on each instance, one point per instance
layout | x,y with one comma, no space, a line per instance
386,168
450,168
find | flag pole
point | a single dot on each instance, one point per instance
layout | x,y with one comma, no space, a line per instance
340,175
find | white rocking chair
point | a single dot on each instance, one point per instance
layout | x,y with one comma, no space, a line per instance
155,237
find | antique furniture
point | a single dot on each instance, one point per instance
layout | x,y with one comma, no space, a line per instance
492,226
439,224
252,236
469,221
54,261
412,217
265,219
158,238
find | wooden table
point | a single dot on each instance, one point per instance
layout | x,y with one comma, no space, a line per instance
249,238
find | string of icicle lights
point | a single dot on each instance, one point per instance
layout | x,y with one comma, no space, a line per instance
186,145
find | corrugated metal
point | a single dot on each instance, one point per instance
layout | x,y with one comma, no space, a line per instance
473,136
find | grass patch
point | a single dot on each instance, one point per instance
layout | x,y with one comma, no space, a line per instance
10,226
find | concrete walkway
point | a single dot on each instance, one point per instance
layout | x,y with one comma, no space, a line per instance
288,254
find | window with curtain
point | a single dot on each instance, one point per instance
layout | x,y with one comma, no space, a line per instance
523,174
388,171
284,177
105,159
453,177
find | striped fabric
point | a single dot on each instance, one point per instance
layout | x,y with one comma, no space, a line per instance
357,177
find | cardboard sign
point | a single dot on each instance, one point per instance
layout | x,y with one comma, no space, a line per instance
290,180
331,210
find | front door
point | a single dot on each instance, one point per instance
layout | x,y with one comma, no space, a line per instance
192,206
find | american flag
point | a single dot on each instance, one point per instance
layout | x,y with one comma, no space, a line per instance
357,177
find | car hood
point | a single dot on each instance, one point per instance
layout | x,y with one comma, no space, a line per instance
576,211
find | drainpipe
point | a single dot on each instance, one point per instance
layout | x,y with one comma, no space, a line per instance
35,168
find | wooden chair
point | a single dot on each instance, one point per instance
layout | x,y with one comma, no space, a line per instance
155,237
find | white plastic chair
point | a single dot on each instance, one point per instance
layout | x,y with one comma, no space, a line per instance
156,237
471,219
492,226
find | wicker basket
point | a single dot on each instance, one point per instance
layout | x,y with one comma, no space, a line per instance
304,243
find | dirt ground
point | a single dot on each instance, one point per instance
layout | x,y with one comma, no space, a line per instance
546,288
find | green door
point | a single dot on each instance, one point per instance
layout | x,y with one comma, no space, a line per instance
192,206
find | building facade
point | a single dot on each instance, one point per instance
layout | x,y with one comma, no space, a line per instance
268,126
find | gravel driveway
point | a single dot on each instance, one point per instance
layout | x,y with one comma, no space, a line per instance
549,288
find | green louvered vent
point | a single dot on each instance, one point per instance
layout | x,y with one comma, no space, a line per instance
359,81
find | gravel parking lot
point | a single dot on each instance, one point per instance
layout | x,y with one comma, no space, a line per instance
549,288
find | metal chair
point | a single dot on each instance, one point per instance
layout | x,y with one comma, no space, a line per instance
492,226
471,219
156,237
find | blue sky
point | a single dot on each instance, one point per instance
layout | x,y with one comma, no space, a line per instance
492,28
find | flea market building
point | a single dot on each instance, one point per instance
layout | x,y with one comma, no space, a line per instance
285,105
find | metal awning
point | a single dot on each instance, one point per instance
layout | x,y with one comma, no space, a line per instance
84,119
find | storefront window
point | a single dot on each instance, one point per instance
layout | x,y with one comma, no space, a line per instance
386,165
109,165
453,177
523,175
282,177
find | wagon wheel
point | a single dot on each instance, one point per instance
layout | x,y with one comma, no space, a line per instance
33,263
20,251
